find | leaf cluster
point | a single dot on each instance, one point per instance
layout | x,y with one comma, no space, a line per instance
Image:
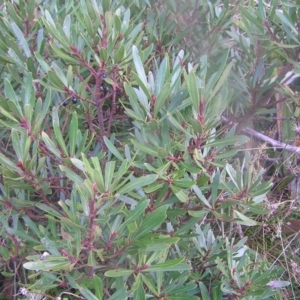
120,176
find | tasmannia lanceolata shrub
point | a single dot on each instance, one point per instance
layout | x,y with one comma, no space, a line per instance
119,177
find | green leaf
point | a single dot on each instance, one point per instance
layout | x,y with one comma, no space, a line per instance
112,148
201,196
214,188
21,40
161,98
18,147
97,283
58,133
87,293
139,66
118,273
198,214
78,164
73,133
179,193
71,175
67,25
59,72
50,145
119,54
145,148
204,292
136,183
55,81
152,220
134,103
62,54
244,220
121,293
170,265
193,89
10,93
286,21
8,115
222,79
139,293
162,74
48,265
42,62
109,173
138,210
28,94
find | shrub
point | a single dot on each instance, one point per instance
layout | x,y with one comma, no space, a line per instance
120,178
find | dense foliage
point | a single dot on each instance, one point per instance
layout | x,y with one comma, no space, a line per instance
126,129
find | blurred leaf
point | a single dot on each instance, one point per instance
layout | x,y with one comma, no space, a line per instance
161,98
151,221
193,90
170,265
71,175
58,133
136,183
21,40
139,66
118,273
73,133
48,265
244,220
113,149
50,145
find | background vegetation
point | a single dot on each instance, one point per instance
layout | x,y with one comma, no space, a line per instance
149,149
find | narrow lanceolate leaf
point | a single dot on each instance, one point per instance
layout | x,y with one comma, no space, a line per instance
193,89
215,187
286,21
243,220
58,133
87,293
78,164
97,283
136,183
47,265
139,65
109,173
201,196
152,221
21,39
221,81
44,65
9,92
59,72
161,98
7,115
73,133
55,81
111,147
204,292
4,161
71,175
138,210
50,145
118,273
161,75
170,265
145,148
179,193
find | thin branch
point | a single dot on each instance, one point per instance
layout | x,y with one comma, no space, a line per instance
265,138
273,142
